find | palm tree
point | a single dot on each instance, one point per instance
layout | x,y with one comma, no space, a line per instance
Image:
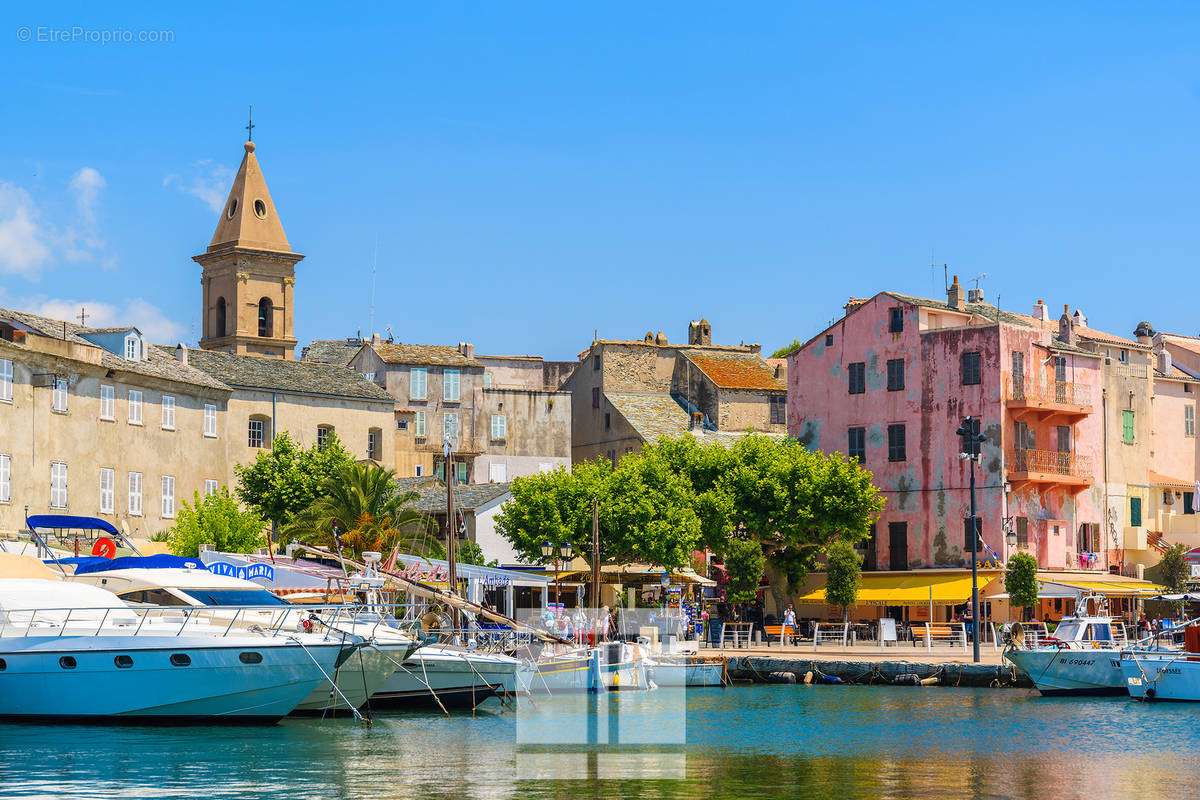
371,514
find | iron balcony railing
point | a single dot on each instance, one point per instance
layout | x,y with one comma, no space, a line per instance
1026,389
1051,462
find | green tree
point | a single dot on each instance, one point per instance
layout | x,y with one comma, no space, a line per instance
1173,568
843,574
285,480
217,520
648,515
555,507
371,513
1020,580
744,568
469,552
787,348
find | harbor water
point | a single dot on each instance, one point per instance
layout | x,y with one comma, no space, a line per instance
766,741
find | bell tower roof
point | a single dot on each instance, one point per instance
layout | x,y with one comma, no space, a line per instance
248,219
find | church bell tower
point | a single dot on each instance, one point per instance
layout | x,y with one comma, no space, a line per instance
249,273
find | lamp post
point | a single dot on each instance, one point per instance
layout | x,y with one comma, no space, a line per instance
971,440
566,552
547,554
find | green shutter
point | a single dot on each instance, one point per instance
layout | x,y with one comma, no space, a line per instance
1127,426
1135,511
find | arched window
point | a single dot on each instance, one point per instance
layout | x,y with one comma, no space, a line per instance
265,315
219,330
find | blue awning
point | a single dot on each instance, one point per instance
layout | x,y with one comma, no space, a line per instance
160,561
64,521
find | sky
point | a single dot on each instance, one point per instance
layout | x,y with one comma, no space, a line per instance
524,176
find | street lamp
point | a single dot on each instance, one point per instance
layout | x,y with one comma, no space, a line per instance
566,552
972,438
547,554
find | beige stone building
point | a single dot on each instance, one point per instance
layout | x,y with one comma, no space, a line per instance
97,422
627,393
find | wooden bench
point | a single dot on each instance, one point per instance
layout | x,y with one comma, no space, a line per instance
951,633
776,632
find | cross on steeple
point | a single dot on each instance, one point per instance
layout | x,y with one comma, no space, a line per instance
83,315
250,126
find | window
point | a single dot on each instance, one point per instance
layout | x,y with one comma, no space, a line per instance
5,478
420,471
266,314
1135,512
858,377
108,483
181,659
499,426
829,340
461,471
220,326
895,374
898,545
1127,427
778,409
1023,437
487,379
210,487
323,432
1064,438
1189,419
108,403
168,412
450,385
419,424
132,348
596,362
896,323
123,662
497,473
595,397
978,530
58,484
450,425
1022,531
1189,502
373,443
58,399
856,444
67,662
250,657
210,420
135,407
896,451
6,380
1060,369
1123,356
168,496
972,371
255,438
418,380
607,420
401,424
135,494
1018,368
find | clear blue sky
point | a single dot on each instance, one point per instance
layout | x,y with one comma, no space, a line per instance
536,172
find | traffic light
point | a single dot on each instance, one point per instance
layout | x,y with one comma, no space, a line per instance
971,437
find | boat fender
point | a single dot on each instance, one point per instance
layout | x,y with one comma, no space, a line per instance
831,679
1151,693
907,679
808,676
929,681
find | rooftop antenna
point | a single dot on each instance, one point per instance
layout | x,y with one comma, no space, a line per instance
374,263
977,279
945,270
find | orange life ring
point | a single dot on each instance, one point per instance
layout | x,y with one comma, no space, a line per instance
104,547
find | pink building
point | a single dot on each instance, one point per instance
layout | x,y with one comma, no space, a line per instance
890,382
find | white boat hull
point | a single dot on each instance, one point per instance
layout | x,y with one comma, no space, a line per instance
360,676
1057,671
457,677
568,673
217,685
1161,676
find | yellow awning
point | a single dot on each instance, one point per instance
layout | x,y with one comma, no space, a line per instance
909,588
1129,587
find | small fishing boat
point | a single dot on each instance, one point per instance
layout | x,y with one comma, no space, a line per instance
1165,674
448,676
1082,657
73,652
551,672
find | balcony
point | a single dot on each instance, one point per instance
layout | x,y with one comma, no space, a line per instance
1046,471
1029,400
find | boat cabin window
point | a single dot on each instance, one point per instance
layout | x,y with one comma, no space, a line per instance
1102,632
152,597
181,659
1067,632
235,597
67,662
3,665
123,662
250,657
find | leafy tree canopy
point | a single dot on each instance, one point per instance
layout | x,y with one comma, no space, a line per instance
1020,580
216,520
285,480
1173,568
843,575
744,567
468,552
787,348
553,507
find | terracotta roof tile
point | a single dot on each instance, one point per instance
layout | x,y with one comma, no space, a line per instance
736,370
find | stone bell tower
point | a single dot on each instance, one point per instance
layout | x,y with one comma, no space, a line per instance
249,273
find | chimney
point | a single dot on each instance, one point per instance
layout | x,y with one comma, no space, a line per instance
1040,312
181,353
467,349
1066,326
1080,319
1164,361
375,339
661,338
1144,332
954,296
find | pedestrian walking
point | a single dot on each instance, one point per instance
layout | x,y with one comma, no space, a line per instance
788,632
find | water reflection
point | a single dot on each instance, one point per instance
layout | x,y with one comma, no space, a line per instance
824,742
